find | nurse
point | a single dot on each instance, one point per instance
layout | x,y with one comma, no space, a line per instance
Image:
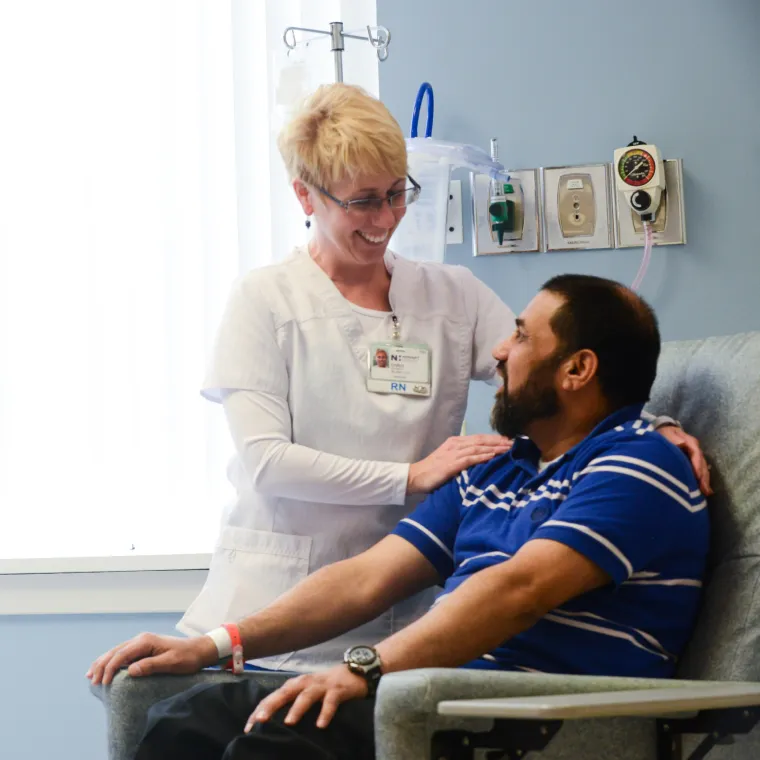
334,447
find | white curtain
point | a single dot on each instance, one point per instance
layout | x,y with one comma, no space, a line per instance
138,178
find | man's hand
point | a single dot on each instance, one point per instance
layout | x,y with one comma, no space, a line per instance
149,653
690,446
332,687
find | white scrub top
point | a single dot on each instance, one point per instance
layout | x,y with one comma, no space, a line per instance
322,464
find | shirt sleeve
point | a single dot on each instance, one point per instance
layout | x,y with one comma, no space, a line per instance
659,421
249,377
432,527
629,506
493,322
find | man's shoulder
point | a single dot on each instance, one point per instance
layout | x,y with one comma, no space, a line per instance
640,452
639,441
481,476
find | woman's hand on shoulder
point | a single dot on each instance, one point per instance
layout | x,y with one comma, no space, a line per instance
454,455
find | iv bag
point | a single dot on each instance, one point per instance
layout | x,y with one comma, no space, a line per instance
421,236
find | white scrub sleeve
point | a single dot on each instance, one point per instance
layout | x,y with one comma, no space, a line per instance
659,421
249,377
260,427
493,322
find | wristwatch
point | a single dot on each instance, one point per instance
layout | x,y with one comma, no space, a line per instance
365,662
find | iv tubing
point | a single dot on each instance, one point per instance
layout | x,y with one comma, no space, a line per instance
646,258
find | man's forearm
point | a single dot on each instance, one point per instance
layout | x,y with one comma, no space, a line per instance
492,606
481,614
324,605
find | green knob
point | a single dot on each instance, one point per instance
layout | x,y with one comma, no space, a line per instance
499,211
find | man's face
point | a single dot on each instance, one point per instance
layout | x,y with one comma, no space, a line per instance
528,362
381,359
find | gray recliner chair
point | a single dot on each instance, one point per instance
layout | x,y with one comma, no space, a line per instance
713,387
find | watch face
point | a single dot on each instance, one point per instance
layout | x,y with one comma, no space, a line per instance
362,655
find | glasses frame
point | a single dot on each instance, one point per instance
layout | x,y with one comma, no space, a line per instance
346,205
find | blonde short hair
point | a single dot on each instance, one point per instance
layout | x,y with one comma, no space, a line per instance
340,132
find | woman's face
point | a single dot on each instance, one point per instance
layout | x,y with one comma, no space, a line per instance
358,234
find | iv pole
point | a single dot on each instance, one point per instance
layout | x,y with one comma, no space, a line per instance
380,42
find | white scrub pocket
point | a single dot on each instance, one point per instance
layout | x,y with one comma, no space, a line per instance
249,570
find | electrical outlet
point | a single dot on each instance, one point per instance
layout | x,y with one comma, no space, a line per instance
669,227
526,234
454,227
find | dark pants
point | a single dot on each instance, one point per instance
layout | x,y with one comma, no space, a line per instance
206,723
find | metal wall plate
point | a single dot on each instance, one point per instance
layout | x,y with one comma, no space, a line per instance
527,200
454,226
577,206
669,226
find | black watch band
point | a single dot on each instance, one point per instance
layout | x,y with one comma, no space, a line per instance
371,677
364,661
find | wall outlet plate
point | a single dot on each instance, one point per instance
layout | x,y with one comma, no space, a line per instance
527,213
454,227
577,207
669,226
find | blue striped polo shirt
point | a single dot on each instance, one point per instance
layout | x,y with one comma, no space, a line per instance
626,499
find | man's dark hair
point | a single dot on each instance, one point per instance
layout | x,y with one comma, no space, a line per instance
617,325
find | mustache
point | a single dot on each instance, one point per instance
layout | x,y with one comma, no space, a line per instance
501,370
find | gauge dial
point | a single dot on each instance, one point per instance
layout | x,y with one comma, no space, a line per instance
636,167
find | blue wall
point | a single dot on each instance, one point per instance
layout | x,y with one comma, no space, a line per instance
558,93
561,83
46,709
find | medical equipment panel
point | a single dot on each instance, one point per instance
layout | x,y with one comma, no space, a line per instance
577,207
506,215
668,225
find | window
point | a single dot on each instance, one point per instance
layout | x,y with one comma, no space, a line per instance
137,177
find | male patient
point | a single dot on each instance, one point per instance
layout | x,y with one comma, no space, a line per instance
579,551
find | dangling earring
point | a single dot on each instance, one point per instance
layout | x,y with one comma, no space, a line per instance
308,223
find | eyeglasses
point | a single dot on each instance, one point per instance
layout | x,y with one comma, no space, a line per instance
362,206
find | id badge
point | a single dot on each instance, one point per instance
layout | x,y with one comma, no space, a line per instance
399,368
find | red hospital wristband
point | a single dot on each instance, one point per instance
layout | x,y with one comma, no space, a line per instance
237,664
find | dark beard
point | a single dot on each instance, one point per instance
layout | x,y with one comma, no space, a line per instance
536,400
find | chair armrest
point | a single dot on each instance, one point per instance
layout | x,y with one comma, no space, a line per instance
406,710
127,701
635,703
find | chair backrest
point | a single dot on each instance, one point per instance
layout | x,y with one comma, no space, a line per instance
712,387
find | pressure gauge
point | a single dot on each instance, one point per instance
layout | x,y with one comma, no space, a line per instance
636,167
640,177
